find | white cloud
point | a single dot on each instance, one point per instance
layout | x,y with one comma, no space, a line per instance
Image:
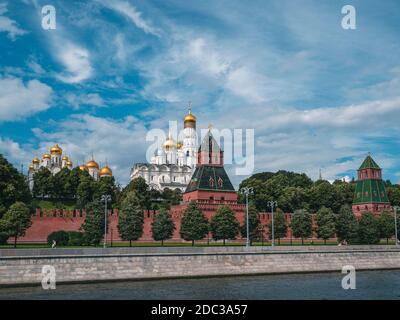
14,152
126,9
208,60
19,100
8,25
92,99
76,61
247,84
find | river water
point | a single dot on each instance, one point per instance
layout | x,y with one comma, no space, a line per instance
369,285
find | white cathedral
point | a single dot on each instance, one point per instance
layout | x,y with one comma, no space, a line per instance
55,161
172,165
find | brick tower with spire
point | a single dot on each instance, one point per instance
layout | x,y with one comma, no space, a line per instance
210,182
370,194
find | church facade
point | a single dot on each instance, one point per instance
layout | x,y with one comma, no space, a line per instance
172,165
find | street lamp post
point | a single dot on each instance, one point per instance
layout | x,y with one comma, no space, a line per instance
272,204
395,223
247,191
105,198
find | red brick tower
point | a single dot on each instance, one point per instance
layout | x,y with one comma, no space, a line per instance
210,182
370,194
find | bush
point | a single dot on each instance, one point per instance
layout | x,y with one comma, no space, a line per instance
3,238
61,237
76,238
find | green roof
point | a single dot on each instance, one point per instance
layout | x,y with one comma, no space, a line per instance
369,163
210,178
370,191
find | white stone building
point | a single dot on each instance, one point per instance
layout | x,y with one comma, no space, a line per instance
173,164
55,161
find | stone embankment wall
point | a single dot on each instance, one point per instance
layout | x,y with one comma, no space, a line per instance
130,263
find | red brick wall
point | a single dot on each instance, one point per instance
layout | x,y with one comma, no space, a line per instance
45,222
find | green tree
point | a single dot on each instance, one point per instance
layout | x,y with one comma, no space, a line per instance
142,190
346,225
324,194
393,193
93,226
345,191
194,225
16,221
302,224
280,225
13,186
386,225
292,198
254,224
131,218
62,185
173,197
224,224
162,227
368,230
325,220
106,186
42,186
85,192
74,180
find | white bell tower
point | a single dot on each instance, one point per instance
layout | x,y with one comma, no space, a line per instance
190,139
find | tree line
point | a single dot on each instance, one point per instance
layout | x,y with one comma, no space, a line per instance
295,191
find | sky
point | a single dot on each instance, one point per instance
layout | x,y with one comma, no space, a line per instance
317,96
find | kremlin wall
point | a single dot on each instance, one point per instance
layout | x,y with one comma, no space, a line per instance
209,187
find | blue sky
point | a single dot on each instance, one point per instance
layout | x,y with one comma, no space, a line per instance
317,96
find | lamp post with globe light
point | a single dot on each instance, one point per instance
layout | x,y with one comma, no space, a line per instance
272,204
247,191
105,198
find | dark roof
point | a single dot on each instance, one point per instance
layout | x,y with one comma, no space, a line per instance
369,163
370,191
210,178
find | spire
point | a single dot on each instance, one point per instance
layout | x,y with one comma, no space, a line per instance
320,174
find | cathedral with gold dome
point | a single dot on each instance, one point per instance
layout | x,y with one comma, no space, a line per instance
56,160
172,165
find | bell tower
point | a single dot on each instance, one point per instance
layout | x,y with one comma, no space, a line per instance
190,139
370,194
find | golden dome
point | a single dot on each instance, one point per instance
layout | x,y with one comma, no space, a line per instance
46,156
92,164
105,172
69,163
190,117
56,149
179,145
31,167
65,158
82,167
36,160
169,143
